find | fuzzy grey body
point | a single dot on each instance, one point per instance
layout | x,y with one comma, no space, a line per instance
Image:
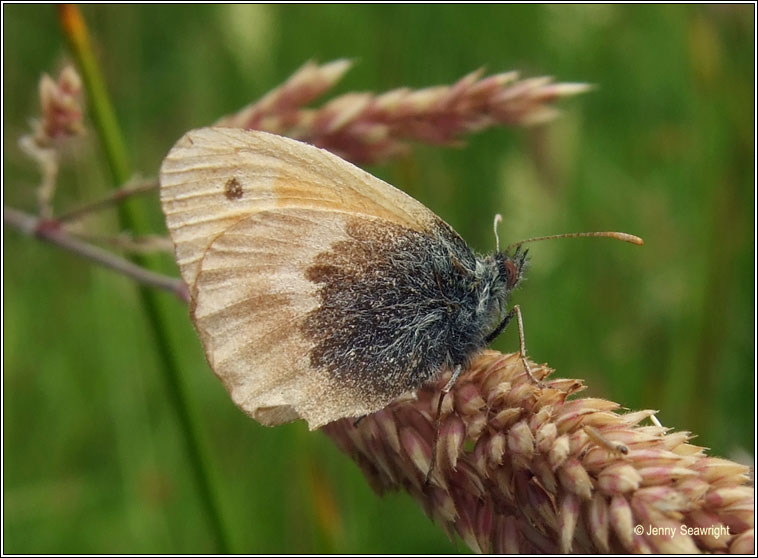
398,306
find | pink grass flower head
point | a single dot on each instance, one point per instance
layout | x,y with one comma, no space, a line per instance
61,107
369,128
517,471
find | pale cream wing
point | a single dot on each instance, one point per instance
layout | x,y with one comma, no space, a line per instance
248,213
213,177
252,296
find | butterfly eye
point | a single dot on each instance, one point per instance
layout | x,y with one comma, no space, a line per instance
510,267
512,273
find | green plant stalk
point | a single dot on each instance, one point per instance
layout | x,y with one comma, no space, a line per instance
106,123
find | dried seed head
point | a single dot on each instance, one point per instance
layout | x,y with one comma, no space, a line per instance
363,127
619,478
61,107
519,470
559,452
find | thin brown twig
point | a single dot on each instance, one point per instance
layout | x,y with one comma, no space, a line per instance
46,158
143,244
114,197
51,231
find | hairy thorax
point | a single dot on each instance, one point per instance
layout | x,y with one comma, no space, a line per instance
399,305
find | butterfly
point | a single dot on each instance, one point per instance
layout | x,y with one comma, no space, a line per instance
318,290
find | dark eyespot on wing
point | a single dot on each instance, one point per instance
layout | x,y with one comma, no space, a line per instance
233,189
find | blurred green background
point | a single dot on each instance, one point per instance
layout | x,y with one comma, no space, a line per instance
663,147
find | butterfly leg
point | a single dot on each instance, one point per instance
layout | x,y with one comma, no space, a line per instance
515,311
522,344
445,390
501,327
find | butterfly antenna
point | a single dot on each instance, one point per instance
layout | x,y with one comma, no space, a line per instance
498,220
626,237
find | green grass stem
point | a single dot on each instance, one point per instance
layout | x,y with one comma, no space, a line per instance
131,218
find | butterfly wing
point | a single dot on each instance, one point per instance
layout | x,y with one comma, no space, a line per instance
267,231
